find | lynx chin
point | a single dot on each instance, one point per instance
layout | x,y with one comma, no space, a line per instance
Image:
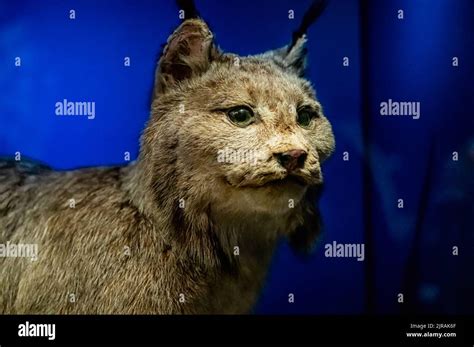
158,236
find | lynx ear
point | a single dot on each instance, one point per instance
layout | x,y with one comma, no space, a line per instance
293,56
304,237
188,53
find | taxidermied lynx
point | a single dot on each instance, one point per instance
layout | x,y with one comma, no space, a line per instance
178,230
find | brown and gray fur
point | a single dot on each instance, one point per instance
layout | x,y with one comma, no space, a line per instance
128,246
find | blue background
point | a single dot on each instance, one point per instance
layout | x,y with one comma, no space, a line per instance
409,250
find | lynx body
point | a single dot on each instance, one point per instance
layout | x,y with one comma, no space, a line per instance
177,231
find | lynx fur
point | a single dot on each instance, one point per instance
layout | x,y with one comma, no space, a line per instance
177,231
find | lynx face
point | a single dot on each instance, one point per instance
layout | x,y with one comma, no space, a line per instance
241,134
260,134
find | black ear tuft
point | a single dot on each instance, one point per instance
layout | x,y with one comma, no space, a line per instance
293,56
304,237
310,16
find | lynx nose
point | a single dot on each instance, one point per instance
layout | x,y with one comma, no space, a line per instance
292,160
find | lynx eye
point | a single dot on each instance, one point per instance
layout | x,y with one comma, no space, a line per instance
241,116
305,116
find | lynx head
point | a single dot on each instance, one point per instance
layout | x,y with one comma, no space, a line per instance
236,137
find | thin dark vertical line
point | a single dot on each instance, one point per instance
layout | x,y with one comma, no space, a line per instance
369,278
